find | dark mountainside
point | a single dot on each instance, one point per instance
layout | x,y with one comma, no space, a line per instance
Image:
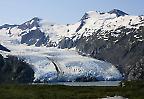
14,70
127,54
117,12
4,48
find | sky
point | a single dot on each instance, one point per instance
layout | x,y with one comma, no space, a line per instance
62,11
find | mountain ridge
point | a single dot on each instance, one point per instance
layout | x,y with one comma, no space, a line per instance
118,12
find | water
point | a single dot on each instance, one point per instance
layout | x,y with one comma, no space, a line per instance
98,83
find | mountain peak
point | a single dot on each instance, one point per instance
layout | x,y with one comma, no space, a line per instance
90,14
34,22
117,12
35,19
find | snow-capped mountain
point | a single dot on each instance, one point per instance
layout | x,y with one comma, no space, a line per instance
96,34
39,32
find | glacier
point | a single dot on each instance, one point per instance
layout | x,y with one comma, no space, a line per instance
53,64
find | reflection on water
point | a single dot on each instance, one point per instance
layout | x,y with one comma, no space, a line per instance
99,83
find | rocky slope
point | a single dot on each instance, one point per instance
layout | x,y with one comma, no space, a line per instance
125,51
2,48
14,70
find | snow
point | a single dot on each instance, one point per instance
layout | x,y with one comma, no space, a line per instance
57,31
34,28
32,22
15,31
109,22
74,64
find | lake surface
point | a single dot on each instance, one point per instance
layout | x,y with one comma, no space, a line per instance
99,83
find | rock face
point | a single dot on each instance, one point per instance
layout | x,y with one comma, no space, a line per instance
30,24
13,70
4,48
67,43
125,51
117,12
34,37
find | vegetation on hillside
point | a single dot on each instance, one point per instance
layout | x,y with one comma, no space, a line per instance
131,90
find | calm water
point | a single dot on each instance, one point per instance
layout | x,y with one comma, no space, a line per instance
99,83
